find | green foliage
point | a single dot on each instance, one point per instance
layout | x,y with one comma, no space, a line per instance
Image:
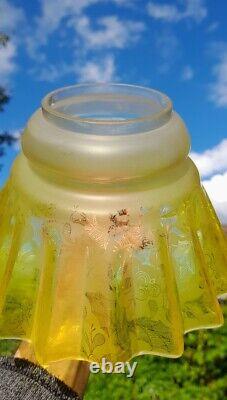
6,139
201,374
4,98
3,39
8,347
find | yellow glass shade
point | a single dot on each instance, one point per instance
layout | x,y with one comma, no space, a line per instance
109,246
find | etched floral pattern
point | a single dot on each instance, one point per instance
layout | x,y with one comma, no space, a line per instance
90,286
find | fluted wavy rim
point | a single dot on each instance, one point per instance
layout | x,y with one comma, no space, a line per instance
118,310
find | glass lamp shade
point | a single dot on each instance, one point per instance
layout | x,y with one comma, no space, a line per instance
109,246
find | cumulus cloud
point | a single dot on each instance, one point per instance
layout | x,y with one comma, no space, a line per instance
7,62
103,70
212,165
216,189
87,35
212,160
218,88
193,9
112,32
51,73
53,12
10,16
168,47
166,12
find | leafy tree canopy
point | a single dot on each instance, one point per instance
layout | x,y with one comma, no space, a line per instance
4,98
6,139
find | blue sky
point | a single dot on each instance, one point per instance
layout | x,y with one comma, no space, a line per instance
176,46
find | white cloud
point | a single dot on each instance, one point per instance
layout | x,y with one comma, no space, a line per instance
54,11
10,16
103,70
167,45
52,72
7,62
218,89
215,185
212,165
216,189
193,9
165,12
17,135
212,160
112,32
86,36
94,70
187,73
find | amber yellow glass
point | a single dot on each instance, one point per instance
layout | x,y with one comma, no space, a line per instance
109,246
